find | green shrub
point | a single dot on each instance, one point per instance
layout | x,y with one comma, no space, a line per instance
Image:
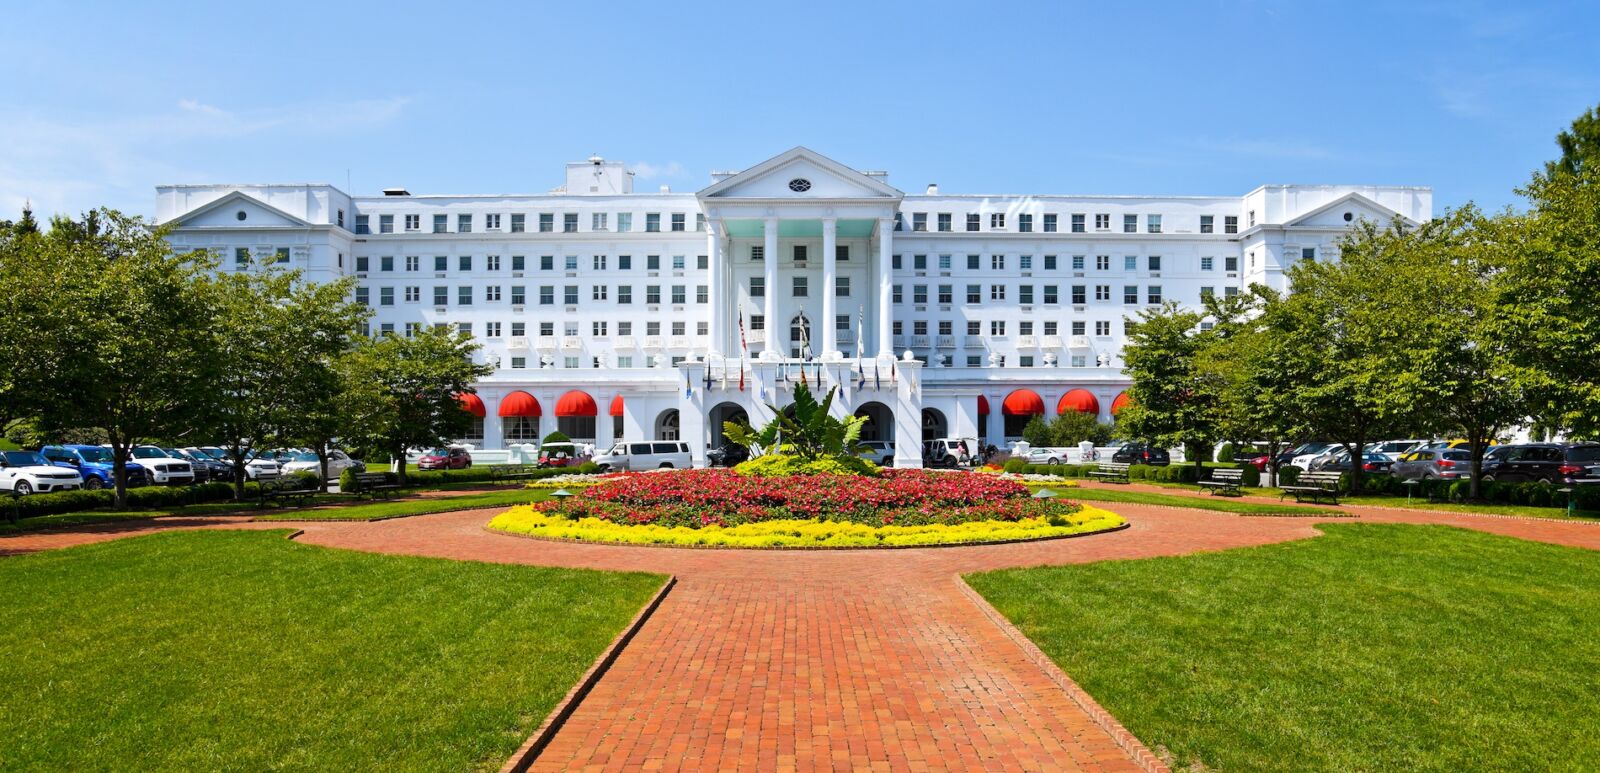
588,468
1288,475
555,437
1014,465
1251,477
347,479
1225,453
777,465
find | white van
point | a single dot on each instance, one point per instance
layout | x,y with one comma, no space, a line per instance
655,455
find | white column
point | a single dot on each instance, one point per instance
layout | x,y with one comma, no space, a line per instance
830,304
885,279
717,304
769,260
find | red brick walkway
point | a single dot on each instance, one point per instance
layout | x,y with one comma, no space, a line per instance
842,659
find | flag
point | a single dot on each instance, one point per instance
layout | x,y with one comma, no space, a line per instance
803,375
894,372
877,376
688,384
743,346
708,375
741,375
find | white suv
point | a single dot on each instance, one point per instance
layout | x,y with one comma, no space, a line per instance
28,472
657,455
879,452
163,470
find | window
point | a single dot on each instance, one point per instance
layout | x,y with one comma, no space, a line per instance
413,294
386,224
1130,293
598,329
758,287
652,222
919,293
519,222
944,262
547,222
1102,222
758,252
677,222
241,259
702,262
624,328
624,295
547,295
363,225
491,294
441,296
947,294
597,221
1077,223
758,322
997,327
974,327
281,255
1080,361
1102,262
1052,295
1049,262
412,328
972,262
799,255
997,262
1153,294
1130,224
997,221
464,296
652,294
919,327
894,262
571,263
652,328
441,224
1025,223
519,263
1230,224
1207,224
1077,327
1025,262
491,329
1250,219
1206,293
799,287
1079,295
569,222
919,221
680,294
997,292
519,296
974,293
841,287
491,263
519,329
700,222
624,262
1152,224
463,224
624,222
895,294
972,221
841,252
598,292
1230,263
702,294
1308,253
1102,327
464,263
1207,263
1049,223
944,221
1229,292
652,262
1102,293
1025,295
1049,327
364,296
919,262
569,295
1154,262
1130,262
413,222
623,361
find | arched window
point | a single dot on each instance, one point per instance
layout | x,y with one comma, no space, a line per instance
667,425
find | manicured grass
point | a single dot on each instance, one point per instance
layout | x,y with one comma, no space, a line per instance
1219,504
75,519
242,650
1421,503
410,506
1373,647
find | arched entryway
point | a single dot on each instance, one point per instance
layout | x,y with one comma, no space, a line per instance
934,424
720,415
880,421
667,425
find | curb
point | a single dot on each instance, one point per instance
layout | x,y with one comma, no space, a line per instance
524,757
1126,740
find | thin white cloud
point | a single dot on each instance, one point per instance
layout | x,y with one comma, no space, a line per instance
644,170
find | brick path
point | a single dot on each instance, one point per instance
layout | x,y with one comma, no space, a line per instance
843,659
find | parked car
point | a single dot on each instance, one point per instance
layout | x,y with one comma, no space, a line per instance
443,459
951,452
562,455
255,464
1394,448
1543,462
1338,460
879,452
95,464
338,462
164,470
205,468
656,455
1047,455
728,454
1141,453
29,472
1301,457
1433,464
1454,444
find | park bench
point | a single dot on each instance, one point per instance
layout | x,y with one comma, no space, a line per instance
501,472
297,489
371,484
1224,481
1315,486
1115,472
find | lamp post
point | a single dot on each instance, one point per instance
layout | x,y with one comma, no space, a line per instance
561,495
1044,493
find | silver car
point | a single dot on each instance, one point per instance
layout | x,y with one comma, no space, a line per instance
1433,464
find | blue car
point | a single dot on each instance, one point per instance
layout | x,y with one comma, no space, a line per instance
95,464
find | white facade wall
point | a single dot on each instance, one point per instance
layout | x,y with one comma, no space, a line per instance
609,244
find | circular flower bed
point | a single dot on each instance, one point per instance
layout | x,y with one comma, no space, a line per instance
721,507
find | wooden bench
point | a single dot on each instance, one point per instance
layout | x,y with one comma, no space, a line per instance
501,472
373,484
1224,481
1315,486
288,488
1115,472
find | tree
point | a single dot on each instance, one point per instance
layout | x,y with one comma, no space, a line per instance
404,393
1037,432
119,324
19,241
278,339
1174,402
808,431
1580,147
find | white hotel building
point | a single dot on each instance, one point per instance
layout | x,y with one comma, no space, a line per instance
621,315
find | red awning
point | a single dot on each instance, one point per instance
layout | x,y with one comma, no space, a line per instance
983,405
616,405
1122,401
520,403
576,403
1079,400
472,404
1023,402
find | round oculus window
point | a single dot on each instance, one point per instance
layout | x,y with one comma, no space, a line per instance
799,185
241,215
1348,216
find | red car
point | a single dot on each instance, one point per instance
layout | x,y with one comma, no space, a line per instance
445,459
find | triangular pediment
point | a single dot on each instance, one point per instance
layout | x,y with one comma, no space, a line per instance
814,175
1332,214
224,213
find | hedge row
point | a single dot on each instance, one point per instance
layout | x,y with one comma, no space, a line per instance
1175,473
148,497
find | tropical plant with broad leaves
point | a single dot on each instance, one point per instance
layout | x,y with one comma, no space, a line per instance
805,430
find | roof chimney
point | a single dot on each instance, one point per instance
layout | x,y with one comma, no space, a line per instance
933,189
396,192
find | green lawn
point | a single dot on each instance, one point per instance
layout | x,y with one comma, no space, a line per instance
1373,647
1217,503
410,506
233,650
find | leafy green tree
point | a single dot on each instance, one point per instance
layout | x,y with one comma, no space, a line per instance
1037,432
1256,396
1174,402
404,392
119,328
808,431
1071,428
1580,147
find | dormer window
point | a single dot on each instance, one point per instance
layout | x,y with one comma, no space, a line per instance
799,185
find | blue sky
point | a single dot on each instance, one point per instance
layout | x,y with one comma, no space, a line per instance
100,104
